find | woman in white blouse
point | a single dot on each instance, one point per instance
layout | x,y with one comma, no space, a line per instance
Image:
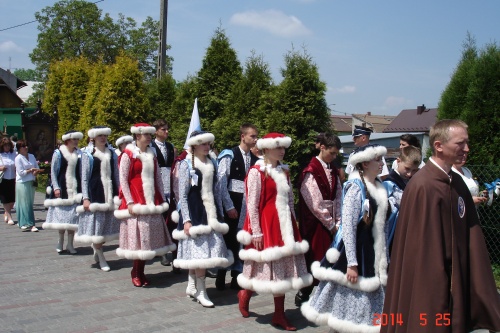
471,183
8,183
26,171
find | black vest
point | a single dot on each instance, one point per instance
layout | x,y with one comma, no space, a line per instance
96,187
238,164
61,178
159,155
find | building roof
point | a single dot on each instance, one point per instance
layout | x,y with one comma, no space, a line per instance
377,122
413,120
342,123
25,92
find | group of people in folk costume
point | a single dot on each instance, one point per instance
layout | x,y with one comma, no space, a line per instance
236,212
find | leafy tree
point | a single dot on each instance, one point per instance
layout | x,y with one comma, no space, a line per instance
94,86
299,109
219,72
73,28
473,95
121,101
66,90
26,74
161,94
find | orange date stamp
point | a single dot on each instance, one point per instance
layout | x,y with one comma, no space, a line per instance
396,319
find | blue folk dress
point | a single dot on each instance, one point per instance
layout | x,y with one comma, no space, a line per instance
338,303
204,247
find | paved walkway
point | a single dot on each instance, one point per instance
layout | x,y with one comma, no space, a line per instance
41,291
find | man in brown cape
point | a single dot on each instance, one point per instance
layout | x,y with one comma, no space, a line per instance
440,277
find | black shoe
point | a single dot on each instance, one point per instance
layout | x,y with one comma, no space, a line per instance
176,270
164,261
220,281
300,298
210,273
234,284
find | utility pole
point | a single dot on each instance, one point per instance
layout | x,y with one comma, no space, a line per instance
162,52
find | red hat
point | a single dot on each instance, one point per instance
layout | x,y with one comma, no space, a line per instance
274,140
143,128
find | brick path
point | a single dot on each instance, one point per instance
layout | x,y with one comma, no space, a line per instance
41,291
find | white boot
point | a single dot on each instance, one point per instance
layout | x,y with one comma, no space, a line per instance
102,261
201,294
191,288
69,245
60,243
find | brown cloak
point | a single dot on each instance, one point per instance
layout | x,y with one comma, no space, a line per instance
440,277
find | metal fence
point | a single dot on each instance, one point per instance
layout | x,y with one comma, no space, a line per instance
489,216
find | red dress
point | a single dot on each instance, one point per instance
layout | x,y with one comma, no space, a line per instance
143,235
280,265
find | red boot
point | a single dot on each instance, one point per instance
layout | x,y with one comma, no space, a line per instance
136,280
244,301
279,318
142,276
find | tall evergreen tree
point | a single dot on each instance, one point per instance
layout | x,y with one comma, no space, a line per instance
473,95
299,107
66,89
244,101
122,101
220,70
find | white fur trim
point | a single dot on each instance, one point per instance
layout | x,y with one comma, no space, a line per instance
174,217
274,143
87,239
199,139
205,263
290,247
244,237
332,255
141,210
367,155
59,226
117,201
63,202
48,190
337,324
328,274
379,194
144,254
275,287
143,130
73,135
124,139
94,132
71,181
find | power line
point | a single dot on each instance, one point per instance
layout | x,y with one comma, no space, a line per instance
20,25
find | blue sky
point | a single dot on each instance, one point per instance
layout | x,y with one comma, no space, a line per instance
378,56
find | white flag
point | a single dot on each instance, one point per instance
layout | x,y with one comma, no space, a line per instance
194,125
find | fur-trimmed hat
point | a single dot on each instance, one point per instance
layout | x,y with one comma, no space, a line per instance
366,153
199,137
124,139
99,130
274,140
142,128
72,134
